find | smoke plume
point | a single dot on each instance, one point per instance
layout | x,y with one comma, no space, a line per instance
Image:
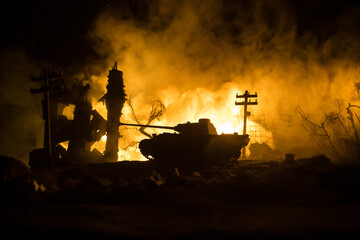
196,55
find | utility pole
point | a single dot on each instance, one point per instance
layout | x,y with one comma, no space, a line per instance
247,101
52,82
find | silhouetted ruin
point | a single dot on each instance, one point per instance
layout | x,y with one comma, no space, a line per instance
114,100
87,126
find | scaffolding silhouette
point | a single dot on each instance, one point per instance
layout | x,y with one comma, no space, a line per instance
256,128
280,124
262,130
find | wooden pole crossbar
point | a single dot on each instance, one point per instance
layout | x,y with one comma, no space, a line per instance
47,78
247,101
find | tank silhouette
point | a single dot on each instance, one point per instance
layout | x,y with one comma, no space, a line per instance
196,144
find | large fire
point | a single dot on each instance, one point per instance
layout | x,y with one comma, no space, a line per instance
227,119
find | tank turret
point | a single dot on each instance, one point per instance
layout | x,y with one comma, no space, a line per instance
195,144
204,126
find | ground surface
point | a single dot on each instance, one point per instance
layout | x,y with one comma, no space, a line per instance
137,200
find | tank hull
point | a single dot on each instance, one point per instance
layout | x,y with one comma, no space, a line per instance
197,150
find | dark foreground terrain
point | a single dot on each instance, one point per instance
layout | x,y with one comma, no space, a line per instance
309,198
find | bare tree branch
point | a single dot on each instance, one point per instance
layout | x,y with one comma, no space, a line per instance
333,135
157,110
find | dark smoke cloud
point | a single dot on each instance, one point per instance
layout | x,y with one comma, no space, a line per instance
21,117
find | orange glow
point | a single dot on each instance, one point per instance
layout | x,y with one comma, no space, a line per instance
189,106
181,107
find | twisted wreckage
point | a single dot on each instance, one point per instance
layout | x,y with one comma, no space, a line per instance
194,144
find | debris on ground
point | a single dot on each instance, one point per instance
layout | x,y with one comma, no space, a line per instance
139,199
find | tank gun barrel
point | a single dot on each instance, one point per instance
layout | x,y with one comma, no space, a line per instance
142,125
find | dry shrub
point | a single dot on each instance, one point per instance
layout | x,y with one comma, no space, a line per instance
336,135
